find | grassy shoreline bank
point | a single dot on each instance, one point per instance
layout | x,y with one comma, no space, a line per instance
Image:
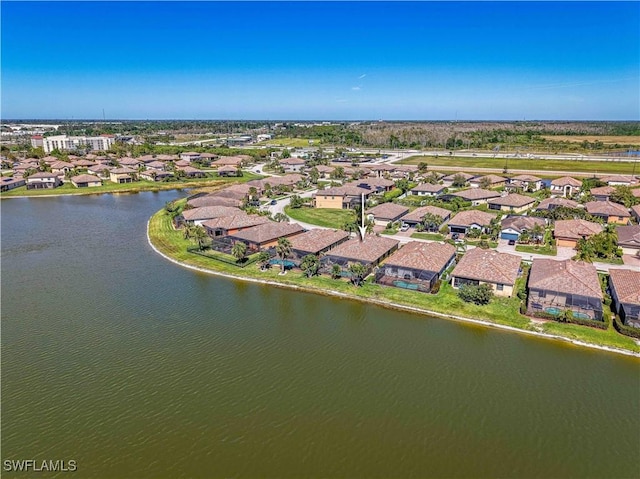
501,313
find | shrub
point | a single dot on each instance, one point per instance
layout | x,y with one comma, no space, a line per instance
480,294
436,287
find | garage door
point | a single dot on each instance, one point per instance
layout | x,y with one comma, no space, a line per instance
509,236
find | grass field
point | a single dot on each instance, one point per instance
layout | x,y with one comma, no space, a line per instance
109,187
607,140
545,249
500,310
329,218
428,236
290,142
605,167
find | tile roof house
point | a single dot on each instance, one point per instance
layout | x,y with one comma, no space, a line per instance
494,181
191,172
526,182
513,226
427,189
316,241
602,193
228,161
552,203
122,175
635,211
387,212
449,179
228,225
228,171
565,186
629,239
340,197
610,212
513,202
375,185
477,196
555,286
568,232
292,164
204,213
369,252
86,181
190,156
266,236
43,180
213,200
416,265
619,180
624,285
154,175
487,266
465,220
10,182
416,215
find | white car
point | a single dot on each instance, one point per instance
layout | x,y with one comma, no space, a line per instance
404,227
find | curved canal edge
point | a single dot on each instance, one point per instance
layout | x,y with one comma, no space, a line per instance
390,305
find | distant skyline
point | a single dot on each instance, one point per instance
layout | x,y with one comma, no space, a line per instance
321,60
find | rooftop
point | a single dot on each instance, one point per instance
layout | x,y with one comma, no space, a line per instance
629,236
606,208
316,240
513,199
471,217
424,256
209,212
267,232
522,223
550,203
388,210
626,284
418,213
566,181
474,194
488,265
240,220
567,277
370,250
575,229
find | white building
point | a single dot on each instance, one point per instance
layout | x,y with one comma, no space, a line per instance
64,142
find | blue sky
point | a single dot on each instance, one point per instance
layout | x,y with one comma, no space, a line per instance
321,60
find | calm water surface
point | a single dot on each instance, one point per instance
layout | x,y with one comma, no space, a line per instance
135,367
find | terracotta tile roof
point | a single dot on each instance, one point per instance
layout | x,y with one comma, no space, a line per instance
529,178
551,203
602,191
368,251
267,232
471,217
85,179
345,190
512,199
566,181
466,176
190,153
493,179
606,208
292,161
228,160
324,169
428,188
488,265
209,212
287,180
240,220
227,169
43,174
212,200
191,169
575,229
316,240
474,194
522,223
618,179
424,256
129,161
628,235
626,284
388,211
636,210
567,276
156,164
122,171
636,192
61,164
373,183
418,213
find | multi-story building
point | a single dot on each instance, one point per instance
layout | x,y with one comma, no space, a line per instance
64,142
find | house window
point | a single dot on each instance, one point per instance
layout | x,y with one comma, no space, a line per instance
542,294
499,287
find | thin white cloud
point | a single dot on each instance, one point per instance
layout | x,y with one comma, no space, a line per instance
362,76
341,100
356,88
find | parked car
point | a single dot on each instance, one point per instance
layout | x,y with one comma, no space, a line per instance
404,227
455,236
273,202
512,242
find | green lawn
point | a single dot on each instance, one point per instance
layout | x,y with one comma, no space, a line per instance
109,187
500,310
428,236
545,249
327,217
524,164
291,142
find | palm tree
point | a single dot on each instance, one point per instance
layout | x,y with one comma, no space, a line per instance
239,251
537,231
263,260
283,249
336,271
200,235
358,272
310,265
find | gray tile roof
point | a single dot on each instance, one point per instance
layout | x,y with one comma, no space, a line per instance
471,217
267,232
370,250
567,277
513,199
575,229
626,284
422,256
489,266
316,240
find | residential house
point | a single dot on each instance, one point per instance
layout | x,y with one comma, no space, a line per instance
82,163
602,193
199,215
10,182
62,167
324,171
552,203
568,232
513,203
375,185
635,211
387,213
190,156
191,172
43,180
122,175
427,189
292,165
565,186
416,216
368,252
555,286
526,183
155,175
229,171
317,242
629,240
493,181
513,226
213,200
625,295
416,266
156,166
608,211
447,181
619,180
265,236
101,170
487,266
340,197
232,224
228,161
477,196
133,163
86,181
236,192
462,222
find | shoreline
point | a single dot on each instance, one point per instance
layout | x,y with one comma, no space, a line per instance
389,305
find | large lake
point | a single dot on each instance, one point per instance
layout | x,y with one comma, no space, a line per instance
135,367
